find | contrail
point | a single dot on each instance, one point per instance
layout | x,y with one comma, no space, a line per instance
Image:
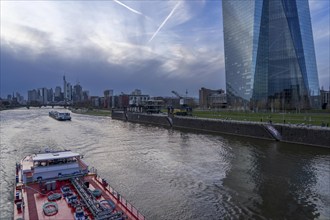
161,26
129,8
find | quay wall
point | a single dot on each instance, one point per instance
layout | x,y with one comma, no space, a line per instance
149,119
118,115
289,133
162,120
223,126
316,136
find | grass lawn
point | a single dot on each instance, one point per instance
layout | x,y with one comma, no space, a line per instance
311,118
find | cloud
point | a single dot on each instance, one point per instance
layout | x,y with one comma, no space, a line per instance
96,75
105,43
129,8
62,27
164,22
317,5
320,16
17,37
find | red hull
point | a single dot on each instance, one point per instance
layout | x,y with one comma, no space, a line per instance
34,200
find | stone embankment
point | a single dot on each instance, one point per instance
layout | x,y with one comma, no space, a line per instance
316,136
310,135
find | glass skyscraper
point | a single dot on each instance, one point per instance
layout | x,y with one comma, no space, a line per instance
269,54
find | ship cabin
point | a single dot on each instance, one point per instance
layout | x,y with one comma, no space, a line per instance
63,116
53,165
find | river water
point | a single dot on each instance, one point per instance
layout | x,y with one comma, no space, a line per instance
172,174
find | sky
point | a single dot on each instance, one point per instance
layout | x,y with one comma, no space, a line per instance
155,46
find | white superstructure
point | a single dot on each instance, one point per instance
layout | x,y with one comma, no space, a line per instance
45,166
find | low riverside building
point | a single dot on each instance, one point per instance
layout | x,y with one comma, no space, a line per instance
209,98
124,101
136,98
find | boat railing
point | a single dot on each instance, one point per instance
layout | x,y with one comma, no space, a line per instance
82,164
93,170
128,206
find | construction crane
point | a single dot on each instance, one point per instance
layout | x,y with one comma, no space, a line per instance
183,100
185,109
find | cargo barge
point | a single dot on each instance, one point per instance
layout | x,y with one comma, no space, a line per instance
60,185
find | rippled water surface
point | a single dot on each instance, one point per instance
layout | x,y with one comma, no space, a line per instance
172,174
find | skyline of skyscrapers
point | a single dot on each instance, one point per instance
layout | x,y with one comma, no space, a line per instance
70,94
269,54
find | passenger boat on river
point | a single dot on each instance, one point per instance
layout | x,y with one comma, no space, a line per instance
60,116
60,185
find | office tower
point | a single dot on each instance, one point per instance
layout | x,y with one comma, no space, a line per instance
44,95
108,98
77,93
65,91
269,54
50,95
32,95
57,95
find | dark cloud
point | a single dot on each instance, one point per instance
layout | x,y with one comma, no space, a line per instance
95,73
103,45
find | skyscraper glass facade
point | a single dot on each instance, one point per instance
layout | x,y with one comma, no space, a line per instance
269,54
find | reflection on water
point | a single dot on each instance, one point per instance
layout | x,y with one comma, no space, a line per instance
171,174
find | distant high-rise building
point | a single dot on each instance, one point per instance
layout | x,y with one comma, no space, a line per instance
44,95
269,54
108,98
77,93
85,95
58,94
65,92
50,95
20,98
67,87
58,91
33,95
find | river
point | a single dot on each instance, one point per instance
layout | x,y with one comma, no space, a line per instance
173,174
